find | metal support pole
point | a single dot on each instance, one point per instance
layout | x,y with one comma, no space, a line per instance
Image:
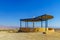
20,25
33,24
41,24
27,24
46,25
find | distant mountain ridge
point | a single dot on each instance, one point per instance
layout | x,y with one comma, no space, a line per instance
8,27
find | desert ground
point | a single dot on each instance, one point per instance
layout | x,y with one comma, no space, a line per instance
29,36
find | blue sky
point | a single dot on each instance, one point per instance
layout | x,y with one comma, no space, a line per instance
13,10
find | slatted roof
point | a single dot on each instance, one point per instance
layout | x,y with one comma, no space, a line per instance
39,18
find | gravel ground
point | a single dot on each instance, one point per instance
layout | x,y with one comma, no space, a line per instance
29,36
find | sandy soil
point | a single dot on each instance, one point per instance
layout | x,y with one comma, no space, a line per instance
29,36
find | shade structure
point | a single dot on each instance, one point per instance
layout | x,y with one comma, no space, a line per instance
39,18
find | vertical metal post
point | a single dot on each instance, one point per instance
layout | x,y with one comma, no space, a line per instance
25,24
46,25
20,25
33,24
41,24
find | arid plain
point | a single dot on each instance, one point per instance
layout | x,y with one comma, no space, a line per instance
30,36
